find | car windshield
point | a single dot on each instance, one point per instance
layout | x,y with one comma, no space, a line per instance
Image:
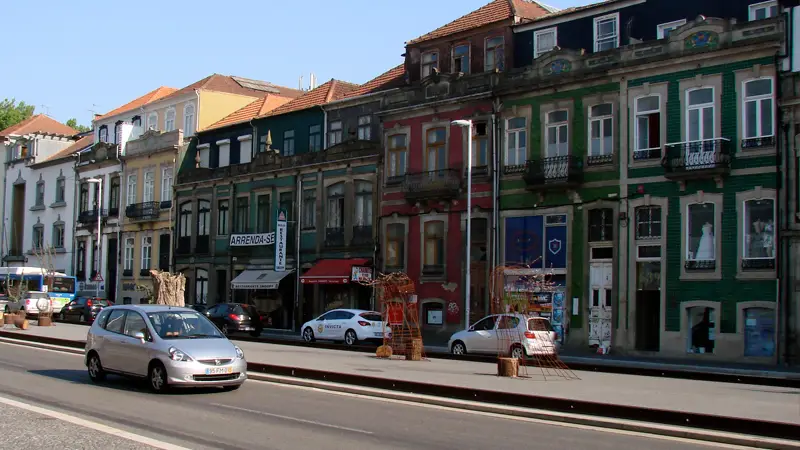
183,325
372,316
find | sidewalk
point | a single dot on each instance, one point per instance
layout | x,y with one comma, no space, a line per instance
726,399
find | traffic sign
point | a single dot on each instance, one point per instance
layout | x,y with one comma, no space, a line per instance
98,278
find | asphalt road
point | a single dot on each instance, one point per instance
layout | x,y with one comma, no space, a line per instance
260,416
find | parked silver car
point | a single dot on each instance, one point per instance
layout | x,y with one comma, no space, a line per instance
518,335
169,346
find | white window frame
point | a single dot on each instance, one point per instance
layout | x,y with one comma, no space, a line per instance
453,57
516,132
393,171
365,127
661,28
758,99
130,189
188,120
600,119
537,34
103,134
149,186
430,65
762,5
746,227
166,184
648,244
548,126
636,114
700,107
335,133
147,252
596,22
128,261
169,123
497,63
245,149
715,228
152,121
223,148
204,151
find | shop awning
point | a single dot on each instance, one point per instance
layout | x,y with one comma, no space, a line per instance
258,279
332,271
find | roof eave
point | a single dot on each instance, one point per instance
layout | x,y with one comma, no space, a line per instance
357,98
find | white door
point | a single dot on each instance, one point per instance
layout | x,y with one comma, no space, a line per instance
600,303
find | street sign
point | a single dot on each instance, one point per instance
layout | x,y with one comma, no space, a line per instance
280,241
98,278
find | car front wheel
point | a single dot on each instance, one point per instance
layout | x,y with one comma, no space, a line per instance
350,337
158,378
96,372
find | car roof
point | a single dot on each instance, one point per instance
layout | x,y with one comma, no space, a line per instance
151,308
354,311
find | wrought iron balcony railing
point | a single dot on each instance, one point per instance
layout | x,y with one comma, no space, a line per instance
362,235
143,211
334,237
554,172
697,159
435,184
89,216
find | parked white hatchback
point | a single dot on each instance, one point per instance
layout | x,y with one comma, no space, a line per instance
347,325
518,335
169,346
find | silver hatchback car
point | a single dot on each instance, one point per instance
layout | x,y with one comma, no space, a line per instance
169,346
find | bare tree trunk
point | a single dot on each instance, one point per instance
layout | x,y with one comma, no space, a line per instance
168,289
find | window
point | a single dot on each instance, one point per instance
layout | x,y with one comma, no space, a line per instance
203,226
147,252
152,121
601,130
286,202
436,149
245,150
103,134
363,210
116,132
61,186
314,138
201,287
262,210
758,110
664,30
486,324
134,323
58,235
395,246
224,153
188,120
204,152
113,196
700,114
495,56
131,190
648,222
242,214
148,193
763,10
759,229
461,58
40,193
647,129
364,128
702,329
128,262
544,41
335,207
309,209
701,243
479,228
115,321
397,155
222,217
288,143
430,63
80,260
84,197
185,227
759,332
434,247
166,184
516,141
335,133
557,134
601,225
38,236
480,145
606,32
169,120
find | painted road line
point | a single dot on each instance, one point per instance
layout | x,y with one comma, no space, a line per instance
292,419
94,426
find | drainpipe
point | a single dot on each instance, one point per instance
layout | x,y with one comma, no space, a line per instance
297,227
325,128
5,207
497,138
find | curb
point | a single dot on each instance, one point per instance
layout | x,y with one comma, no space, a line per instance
702,426
564,419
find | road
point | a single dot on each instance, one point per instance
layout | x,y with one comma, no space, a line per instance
257,416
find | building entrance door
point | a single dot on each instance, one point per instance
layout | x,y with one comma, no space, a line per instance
600,274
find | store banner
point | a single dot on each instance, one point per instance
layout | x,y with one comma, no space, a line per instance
523,241
556,250
280,241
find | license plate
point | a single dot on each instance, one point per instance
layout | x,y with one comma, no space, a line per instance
219,370
379,334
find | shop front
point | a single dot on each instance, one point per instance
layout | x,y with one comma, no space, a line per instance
342,283
271,292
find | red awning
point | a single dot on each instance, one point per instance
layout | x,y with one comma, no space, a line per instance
332,271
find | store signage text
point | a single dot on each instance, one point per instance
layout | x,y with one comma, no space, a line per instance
250,240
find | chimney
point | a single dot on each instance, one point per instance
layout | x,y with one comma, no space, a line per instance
300,84
312,81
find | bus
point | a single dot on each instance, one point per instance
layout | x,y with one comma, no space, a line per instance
37,281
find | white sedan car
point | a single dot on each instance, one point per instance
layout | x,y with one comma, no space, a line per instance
517,335
346,325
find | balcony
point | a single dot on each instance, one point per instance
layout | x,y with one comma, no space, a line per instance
432,270
362,236
442,184
334,237
89,216
143,211
557,172
710,158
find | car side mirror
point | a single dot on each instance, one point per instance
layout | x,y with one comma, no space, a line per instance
471,329
140,336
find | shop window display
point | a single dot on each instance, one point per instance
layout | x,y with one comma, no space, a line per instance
759,229
759,332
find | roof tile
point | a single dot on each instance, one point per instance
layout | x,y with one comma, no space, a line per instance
39,123
257,108
228,84
151,96
393,77
328,92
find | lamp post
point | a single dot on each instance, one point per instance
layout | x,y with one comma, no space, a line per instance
467,300
99,200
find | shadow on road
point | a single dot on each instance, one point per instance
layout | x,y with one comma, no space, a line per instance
115,382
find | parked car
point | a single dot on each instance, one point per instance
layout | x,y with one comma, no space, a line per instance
198,307
347,325
236,318
518,335
83,309
32,303
169,346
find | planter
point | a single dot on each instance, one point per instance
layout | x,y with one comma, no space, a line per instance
507,367
20,323
45,321
384,351
414,350
8,319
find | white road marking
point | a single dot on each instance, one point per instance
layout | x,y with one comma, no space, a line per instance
294,419
95,426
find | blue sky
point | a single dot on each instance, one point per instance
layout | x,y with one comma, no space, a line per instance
73,57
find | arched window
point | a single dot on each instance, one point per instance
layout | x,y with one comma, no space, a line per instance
185,227
188,120
152,121
203,226
201,287
169,120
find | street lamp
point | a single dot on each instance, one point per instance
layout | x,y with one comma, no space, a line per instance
99,200
467,300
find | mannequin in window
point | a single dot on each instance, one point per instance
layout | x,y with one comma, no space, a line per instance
705,249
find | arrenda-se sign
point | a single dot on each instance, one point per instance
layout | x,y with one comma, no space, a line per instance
251,240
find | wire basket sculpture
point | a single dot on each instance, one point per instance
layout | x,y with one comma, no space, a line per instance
522,300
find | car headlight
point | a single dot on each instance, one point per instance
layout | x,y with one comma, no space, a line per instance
239,353
178,355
